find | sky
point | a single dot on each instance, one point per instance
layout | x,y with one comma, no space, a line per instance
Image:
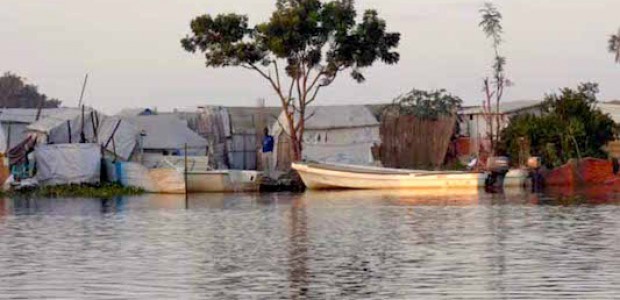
132,53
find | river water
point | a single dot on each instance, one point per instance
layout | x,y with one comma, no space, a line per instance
319,245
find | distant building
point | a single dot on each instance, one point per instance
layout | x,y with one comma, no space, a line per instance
474,131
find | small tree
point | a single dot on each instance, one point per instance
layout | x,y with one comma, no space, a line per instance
614,45
312,41
427,105
493,87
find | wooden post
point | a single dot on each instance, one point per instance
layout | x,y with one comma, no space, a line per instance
185,170
83,89
69,130
8,138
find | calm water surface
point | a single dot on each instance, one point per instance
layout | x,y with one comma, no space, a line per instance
337,245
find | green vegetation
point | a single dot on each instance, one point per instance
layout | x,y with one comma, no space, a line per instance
300,50
428,105
16,93
570,127
74,190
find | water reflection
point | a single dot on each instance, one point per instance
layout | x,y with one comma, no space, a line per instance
317,245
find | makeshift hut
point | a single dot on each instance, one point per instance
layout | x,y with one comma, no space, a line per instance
15,121
233,133
474,132
68,164
163,135
333,134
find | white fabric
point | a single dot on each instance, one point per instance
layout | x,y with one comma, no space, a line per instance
125,138
336,134
3,145
167,132
68,163
354,154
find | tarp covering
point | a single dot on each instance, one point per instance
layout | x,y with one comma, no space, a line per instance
167,132
334,134
124,140
3,145
68,163
65,126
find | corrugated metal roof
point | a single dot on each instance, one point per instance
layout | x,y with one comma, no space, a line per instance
26,115
610,108
59,117
327,117
167,132
504,107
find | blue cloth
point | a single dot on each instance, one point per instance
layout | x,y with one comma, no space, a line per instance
267,144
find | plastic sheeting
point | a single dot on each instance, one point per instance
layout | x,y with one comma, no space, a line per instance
68,164
3,141
124,140
167,181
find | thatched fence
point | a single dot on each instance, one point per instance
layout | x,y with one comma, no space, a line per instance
412,142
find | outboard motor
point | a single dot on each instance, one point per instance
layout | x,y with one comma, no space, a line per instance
498,167
537,179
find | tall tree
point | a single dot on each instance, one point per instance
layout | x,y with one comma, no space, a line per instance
614,45
493,86
16,93
300,50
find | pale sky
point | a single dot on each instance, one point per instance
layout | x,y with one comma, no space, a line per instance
132,52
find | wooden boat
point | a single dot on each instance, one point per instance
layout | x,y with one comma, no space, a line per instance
318,176
222,181
200,179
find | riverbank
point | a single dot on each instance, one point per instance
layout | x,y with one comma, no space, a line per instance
106,190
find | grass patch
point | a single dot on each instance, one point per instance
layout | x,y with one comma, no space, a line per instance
106,190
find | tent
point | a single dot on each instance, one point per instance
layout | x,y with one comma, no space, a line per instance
68,164
163,135
337,134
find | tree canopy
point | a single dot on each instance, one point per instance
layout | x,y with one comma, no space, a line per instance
16,93
570,127
307,41
428,105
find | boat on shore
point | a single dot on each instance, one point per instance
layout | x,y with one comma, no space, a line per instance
222,181
320,176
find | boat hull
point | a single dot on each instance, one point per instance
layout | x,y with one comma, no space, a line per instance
222,181
319,177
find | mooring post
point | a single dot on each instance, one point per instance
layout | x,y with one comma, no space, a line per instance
185,174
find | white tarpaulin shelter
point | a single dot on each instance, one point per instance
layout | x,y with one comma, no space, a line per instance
68,163
3,142
337,134
16,120
57,126
168,133
123,141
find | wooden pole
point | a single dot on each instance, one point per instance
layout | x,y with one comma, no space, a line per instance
83,89
185,175
69,130
8,138
82,135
